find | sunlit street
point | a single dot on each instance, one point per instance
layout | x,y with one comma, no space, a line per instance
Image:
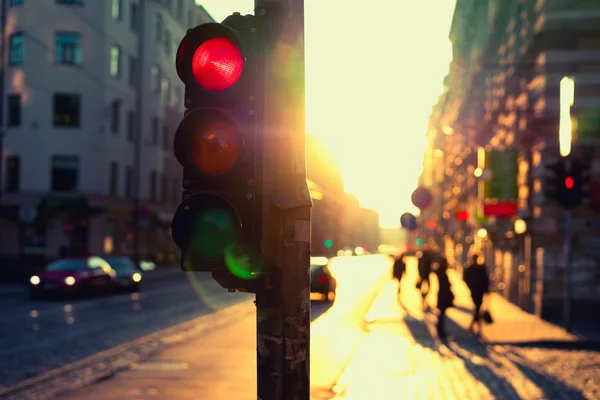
299,200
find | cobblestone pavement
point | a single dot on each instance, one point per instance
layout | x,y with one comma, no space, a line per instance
402,358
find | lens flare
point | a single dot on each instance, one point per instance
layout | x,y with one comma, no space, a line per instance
243,261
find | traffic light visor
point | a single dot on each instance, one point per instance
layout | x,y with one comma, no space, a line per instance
217,64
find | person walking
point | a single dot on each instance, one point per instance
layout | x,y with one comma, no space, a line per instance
478,282
399,270
445,297
424,266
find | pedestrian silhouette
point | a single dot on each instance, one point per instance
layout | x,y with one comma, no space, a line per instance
445,297
477,280
399,270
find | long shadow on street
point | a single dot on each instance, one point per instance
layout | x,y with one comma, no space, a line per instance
476,355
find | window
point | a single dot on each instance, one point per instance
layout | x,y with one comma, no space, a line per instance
67,109
153,178
164,90
115,61
65,171
190,19
155,131
116,9
15,48
132,70
115,116
179,9
164,189
129,182
155,79
15,2
68,48
133,15
113,182
167,42
176,191
166,137
75,2
158,27
130,125
14,110
176,97
13,171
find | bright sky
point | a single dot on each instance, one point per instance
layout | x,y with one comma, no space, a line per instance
373,71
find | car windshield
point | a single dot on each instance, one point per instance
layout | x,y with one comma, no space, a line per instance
120,263
68,265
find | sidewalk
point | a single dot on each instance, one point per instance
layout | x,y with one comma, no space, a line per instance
402,358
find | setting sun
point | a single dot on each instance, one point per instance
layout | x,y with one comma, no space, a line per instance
372,76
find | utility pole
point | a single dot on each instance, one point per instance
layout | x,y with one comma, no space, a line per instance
138,142
2,96
283,319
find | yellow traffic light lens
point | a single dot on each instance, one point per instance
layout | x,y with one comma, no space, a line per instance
214,230
216,148
217,64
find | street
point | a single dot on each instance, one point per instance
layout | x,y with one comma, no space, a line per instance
365,343
43,335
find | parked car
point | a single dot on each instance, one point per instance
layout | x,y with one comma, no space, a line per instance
128,277
79,276
322,282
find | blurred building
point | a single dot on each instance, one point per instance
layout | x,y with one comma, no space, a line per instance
327,190
502,93
338,220
70,123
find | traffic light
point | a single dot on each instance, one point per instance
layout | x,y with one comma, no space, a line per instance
217,225
567,182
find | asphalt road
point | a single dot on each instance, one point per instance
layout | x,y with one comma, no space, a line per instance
40,336
43,335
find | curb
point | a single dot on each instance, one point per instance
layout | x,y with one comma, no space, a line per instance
107,363
551,344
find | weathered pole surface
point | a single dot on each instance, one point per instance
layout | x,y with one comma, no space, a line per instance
283,317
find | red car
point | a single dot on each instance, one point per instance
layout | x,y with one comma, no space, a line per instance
89,275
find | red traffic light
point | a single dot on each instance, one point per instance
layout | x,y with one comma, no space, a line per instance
569,182
217,64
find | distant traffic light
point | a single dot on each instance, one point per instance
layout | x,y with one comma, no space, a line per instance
328,244
567,182
217,226
420,242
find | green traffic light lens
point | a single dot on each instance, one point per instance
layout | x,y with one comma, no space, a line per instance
214,230
328,244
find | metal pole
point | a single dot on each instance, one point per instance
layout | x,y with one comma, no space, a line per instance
283,317
567,268
137,143
2,96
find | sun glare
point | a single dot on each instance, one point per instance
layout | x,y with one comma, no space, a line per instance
372,75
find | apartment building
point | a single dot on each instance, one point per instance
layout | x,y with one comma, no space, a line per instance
503,93
71,118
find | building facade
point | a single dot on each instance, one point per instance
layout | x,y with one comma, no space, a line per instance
71,119
503,93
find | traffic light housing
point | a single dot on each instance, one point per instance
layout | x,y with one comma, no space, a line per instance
218,224
567,182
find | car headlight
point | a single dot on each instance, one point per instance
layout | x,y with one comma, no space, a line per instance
35,280
69,281
136,277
